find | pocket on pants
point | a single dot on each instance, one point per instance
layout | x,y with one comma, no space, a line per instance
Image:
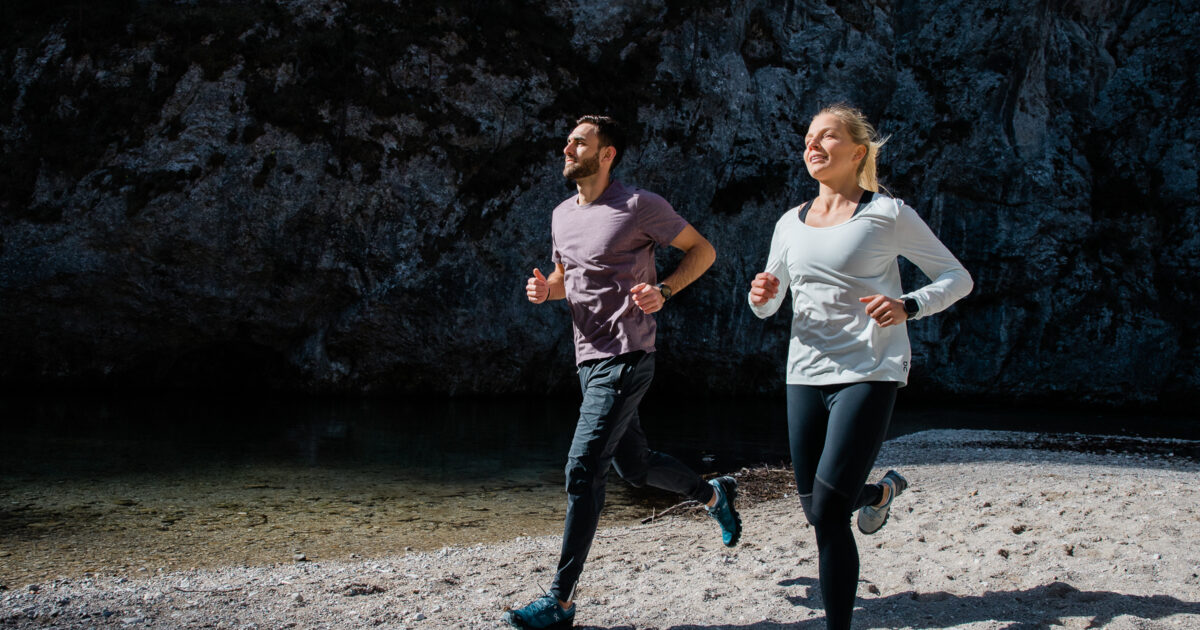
613,374
628,372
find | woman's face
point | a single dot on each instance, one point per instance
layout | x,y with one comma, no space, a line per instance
829,152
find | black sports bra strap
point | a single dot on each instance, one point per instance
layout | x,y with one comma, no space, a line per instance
863,202
804,209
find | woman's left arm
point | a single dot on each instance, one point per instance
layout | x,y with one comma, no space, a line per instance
917,243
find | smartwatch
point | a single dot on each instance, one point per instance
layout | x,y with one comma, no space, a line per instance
911,307
665,290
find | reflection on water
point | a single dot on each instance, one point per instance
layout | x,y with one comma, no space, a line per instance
159,484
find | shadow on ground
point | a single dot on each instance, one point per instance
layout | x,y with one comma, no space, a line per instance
1029,609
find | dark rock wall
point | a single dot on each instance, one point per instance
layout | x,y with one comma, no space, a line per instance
348,196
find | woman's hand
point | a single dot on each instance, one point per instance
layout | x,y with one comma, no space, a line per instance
763,288
884,310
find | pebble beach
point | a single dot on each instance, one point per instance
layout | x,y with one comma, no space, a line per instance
998,530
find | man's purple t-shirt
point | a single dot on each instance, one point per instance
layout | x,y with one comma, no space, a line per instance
607,248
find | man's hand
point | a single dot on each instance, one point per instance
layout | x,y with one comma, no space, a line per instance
884,310
763,288
647,298
536,289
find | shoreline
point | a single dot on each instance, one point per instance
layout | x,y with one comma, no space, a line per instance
998,530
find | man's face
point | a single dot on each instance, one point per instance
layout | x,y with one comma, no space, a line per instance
582,153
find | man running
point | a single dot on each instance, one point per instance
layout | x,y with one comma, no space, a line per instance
604,239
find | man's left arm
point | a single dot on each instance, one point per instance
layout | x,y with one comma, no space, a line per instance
698,256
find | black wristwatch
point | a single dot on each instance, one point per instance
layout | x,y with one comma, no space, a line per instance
665,290
911,307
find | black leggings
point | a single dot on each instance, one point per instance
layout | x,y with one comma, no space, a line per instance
835,432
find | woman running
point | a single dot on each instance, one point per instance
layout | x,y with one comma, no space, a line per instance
849,350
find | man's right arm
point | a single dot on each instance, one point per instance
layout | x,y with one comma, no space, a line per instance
540,288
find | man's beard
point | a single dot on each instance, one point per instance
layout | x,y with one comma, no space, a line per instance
580,170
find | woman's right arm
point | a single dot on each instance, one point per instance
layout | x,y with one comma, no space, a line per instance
768,287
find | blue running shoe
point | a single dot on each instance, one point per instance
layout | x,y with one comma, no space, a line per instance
543,612
723,512
871,518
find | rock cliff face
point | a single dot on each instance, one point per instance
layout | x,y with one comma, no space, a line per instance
347,196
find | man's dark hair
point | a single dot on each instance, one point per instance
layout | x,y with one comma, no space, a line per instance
610,133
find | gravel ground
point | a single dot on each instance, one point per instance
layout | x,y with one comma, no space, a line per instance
997,530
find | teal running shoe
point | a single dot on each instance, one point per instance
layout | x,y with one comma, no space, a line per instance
871,518
723,511
543,612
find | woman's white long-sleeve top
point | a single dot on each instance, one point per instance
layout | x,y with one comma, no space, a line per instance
833,340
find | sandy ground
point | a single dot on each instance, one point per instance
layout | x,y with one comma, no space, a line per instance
997,530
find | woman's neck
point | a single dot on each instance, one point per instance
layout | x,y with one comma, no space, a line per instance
843,189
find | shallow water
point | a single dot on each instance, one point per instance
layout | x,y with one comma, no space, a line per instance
145,485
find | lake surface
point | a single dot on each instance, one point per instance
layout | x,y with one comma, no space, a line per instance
137,485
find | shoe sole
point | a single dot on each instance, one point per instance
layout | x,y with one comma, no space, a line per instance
881,524
902,483
517,622
729,487
899,484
